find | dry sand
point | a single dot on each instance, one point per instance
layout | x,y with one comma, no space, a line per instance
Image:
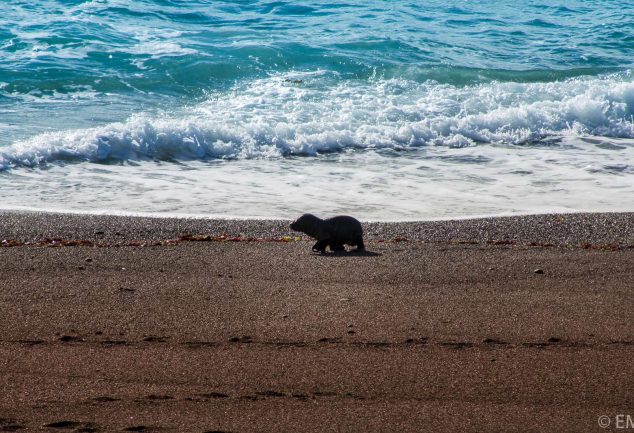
444,335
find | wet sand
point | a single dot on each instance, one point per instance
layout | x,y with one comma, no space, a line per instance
512,324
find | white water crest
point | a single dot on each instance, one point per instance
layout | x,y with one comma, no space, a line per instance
312,113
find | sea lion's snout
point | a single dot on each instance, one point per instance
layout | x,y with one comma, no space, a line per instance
304,222
298,224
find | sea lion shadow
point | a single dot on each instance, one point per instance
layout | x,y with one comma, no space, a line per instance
351,253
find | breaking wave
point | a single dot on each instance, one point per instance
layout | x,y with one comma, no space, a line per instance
312,113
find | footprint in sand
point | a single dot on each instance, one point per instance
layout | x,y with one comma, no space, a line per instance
114,343
214,395
105,399
154,339
64,424
271,393
70,338
493,341
10,424
329,340
137,428
243,339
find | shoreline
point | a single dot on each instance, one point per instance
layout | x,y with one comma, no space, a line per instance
161,215
573,229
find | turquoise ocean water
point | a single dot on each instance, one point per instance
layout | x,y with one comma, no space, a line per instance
382,109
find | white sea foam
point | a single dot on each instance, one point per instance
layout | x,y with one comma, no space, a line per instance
433,182
307,114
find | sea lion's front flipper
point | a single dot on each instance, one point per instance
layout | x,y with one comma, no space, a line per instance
337,247
320,246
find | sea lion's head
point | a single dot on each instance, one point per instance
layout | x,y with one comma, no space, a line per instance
305,222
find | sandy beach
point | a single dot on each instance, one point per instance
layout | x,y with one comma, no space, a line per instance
144,324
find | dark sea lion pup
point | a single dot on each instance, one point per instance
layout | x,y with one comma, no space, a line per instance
333,232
